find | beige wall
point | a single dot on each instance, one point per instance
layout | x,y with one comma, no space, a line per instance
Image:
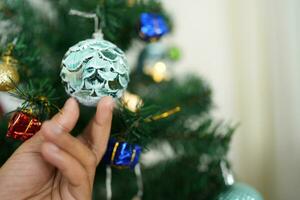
250,52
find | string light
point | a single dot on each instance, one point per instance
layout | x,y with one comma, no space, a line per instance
158,71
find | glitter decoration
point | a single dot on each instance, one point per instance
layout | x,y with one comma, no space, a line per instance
23,126
9,76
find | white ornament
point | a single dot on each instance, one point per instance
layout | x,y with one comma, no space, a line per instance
94,68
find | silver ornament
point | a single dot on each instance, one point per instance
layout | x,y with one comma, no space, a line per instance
94,68
240,191
236,191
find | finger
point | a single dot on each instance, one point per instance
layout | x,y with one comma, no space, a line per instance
70,168
63,121
66,119
97,132
71,145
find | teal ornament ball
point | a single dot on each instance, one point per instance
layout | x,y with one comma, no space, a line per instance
94,68
240,191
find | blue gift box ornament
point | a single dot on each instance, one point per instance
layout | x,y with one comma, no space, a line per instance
152,26
121,154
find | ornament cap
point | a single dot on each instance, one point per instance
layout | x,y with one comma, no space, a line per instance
227,174
98,35
7,59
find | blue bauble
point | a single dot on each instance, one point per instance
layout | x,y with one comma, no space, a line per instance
94,68
121,154
240,191
152,26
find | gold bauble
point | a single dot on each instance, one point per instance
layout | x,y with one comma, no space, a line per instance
9,76
132,101
131,2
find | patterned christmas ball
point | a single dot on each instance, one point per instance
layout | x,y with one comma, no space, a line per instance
94,68
240,191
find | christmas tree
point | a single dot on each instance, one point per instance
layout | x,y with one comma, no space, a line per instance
159,115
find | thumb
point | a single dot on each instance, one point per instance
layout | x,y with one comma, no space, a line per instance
63,122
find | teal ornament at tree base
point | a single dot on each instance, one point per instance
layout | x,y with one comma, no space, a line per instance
94,68
239,191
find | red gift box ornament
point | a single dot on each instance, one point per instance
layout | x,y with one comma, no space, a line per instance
23,126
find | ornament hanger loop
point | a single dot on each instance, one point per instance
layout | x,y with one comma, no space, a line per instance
97,31
10,47
227,174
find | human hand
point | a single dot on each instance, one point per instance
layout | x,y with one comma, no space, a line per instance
55,165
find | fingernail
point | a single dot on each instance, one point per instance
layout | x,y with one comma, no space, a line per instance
69,104
104,110
109,102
